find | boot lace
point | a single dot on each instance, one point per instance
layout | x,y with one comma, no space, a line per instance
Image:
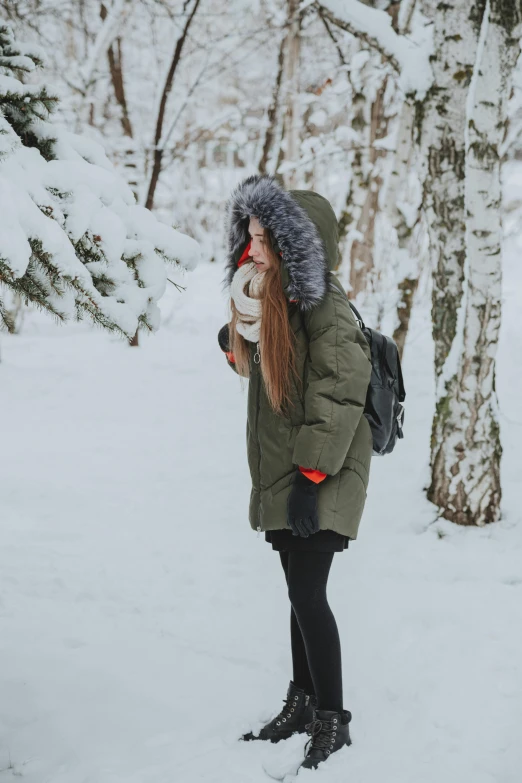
289,706
322,734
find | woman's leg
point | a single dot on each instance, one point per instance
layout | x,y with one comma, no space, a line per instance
307,577
301,677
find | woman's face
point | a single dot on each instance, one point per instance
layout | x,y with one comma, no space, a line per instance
259,249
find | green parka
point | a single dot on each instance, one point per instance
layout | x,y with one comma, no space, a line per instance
326,429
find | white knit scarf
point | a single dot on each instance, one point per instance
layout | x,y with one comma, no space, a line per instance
246,290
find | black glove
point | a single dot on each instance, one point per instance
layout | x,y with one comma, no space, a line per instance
303,518
224,338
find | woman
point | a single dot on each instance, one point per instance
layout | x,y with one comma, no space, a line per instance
293,334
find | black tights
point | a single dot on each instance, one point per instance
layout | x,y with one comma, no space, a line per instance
316,649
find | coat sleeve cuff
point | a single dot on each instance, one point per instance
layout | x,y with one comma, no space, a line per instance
314,475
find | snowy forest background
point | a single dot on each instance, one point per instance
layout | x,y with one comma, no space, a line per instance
407,116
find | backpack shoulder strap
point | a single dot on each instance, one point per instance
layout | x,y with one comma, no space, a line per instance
402,390
334,282
357,315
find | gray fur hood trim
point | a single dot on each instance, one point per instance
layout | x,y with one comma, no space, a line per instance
299,241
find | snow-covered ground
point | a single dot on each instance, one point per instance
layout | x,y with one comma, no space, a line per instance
143,624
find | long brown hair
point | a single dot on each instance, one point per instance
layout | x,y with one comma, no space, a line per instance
276,342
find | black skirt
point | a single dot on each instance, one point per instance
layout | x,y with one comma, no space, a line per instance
323,541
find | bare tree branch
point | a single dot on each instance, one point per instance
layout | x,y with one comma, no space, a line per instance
158,151
326,23
104,39
370,40
116,71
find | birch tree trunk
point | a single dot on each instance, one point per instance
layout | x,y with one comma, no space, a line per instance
466,449
377,183
292,122
356,196
368,119
441,126
405,220
273,135
368,192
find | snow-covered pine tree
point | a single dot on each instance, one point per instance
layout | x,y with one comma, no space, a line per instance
72,239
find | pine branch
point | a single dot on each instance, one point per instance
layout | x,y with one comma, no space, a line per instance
6,322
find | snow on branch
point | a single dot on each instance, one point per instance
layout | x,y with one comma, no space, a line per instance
72,238
407,56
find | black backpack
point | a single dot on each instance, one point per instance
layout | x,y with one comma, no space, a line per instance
384,407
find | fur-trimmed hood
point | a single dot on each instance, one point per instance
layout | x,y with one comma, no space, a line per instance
303,225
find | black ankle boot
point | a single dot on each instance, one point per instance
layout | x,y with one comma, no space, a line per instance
297,712
328,732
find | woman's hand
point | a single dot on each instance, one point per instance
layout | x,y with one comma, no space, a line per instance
224,339
303,518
